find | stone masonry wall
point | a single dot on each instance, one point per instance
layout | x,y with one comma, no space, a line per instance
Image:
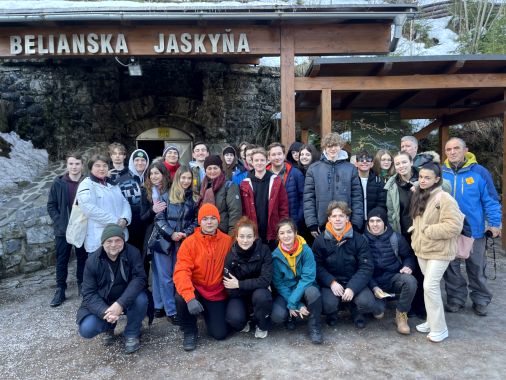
60,105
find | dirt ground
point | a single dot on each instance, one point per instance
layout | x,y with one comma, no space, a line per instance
40,342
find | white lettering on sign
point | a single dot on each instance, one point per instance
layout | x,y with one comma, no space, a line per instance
91,43
108,43
187,42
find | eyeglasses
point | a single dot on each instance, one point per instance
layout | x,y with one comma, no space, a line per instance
365,159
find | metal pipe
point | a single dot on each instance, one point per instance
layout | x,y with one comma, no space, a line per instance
398,24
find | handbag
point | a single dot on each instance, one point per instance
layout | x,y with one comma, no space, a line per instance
77,227
157,243
464,246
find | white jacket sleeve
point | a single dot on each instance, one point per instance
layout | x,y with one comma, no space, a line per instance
126,211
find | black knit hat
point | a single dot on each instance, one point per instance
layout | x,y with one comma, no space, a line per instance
213,160
111,230
378,212
229,149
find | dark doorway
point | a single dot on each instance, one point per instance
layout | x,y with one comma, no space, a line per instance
154,148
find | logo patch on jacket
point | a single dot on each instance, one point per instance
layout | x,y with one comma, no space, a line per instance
469,180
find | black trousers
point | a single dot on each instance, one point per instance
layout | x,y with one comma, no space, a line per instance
312,299
214,316
63,250
238,310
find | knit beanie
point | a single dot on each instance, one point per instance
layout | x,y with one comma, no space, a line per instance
171,147
229,149
208,209
378,212
139,153
111,230
213,160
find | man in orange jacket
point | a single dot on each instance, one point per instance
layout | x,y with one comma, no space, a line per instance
198,277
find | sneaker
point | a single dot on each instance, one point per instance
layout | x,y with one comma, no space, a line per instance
159,313
108,337
452,307
480,310
436,338
190,341
59,297
315,335
260,334
291,324
132,344
173,319
401,320
359,321
247,328
423,327
379,316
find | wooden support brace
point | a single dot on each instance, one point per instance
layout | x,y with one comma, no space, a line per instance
287,87
326,112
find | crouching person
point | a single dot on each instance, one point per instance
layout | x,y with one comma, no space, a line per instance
393,266
344,267
114,283
294,275
198,277
247,276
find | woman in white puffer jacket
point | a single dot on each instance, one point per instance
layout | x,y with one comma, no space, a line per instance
101,202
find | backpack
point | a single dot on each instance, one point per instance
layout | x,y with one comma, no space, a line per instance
394,242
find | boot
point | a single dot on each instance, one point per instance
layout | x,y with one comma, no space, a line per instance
314,325
59,297
401,320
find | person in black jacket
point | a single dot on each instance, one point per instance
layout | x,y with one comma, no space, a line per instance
59,205
394,263
372,186
114,283
247,276
344,267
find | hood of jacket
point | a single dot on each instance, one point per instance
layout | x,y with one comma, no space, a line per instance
131,166
470,160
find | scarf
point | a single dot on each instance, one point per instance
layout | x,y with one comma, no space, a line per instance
291,254
172,168
210,188
338,237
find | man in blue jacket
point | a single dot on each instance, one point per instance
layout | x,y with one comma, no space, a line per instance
292,178
473,188
114,283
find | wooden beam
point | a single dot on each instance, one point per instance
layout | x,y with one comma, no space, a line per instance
454,67
287,87
444,135
454,98
326,116
401,82
400,100
483,112
424,132
315,70
304,136
504,175
347,101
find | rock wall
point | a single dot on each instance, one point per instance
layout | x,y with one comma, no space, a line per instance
60,105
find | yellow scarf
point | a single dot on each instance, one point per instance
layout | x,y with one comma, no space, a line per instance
292,257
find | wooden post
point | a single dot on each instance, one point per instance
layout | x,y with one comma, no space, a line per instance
304,136
503,238
443,139
287,87
326,112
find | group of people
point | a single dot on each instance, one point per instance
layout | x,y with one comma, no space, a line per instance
261,236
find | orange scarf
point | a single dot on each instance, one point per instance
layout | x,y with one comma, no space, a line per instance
338,237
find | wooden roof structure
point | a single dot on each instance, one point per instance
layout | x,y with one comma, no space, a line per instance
449,90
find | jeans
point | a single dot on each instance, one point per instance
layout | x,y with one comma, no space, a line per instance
92,325
456,285
364,301
214,316
313,301
406,285
63,250
433,271
237,314
163,284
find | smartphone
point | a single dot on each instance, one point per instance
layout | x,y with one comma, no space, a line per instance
226,273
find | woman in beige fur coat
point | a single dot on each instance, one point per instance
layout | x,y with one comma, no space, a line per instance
437,222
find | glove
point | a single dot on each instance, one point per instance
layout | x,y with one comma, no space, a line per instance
195,307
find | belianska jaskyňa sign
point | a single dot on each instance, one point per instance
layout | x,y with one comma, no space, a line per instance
178,40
